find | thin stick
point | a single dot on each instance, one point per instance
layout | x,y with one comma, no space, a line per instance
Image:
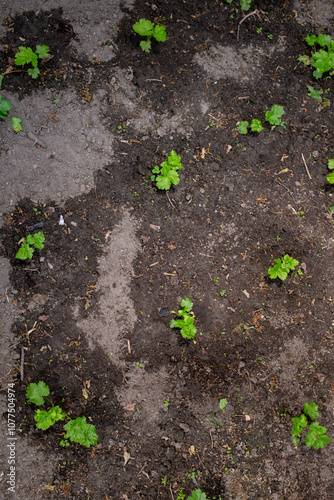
307,170
171,492
255,12
22,365
169,200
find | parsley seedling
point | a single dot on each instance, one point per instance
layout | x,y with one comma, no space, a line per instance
330,165
168,172
144,27
255,126
198,494
27,56
316,435
29,244
322,60
273,116
186,324
316,94
282,267
77,431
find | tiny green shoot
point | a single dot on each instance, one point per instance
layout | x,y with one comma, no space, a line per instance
186,324
144,27
29,244
27,56
282,267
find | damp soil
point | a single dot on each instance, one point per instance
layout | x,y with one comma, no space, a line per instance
263,345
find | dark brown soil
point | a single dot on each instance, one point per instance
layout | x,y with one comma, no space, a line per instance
234,212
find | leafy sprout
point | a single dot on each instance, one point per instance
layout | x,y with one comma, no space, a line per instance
144,27
186,323
282,267
330,165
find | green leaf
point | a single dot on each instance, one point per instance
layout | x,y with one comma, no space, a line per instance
16,123
172,324
311,410
316,94
330,164
5,106
278,271
324,40
37,392
305,60
311,40
45,419
78,431
298,424
25,252
33,72
159,33
321,442
143,27
145,45
36,239
323,61
174,160
242,127
274,114
222,403
330,178
1,78
245,4
198,495
316,436
168,177
42,51
156,170
256,126
26,56
289,262
187,304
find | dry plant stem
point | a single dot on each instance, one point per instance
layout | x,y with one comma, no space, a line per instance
255,12
307,170
169,200
22,365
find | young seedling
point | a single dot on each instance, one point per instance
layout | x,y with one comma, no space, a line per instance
29,244
273,116
282,267
316,435
16,124
198,495
27,56
255,126
168,172
322,60
330,165
315,94
5,106
77,431
144,27
186,324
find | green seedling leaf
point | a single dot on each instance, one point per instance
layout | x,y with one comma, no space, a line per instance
174,160
242,127
323,61
1,78
198,495
168,177
330,178
45,419
316,436
289,262
159,33
330,164
37,392
298,424
37,240
156,170
5,106
311,40
26,56
25,252
222,404
311,410
316,94
33,72
78,431
256,125
323,40
145,45
42,51
273,116
245,4
143,27
305,60
282,267
16,123
187,304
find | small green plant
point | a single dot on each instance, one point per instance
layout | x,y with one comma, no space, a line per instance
164,481
167,171
27,56
316,435
29,244
198,495
282,267
330,165
186,324
323,59
16,124
5,106
222,293
144,27
77,431
315,94
273,116
255,126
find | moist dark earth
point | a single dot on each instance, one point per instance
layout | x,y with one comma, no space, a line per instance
266,346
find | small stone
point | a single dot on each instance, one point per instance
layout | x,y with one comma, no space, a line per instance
50,265
74,223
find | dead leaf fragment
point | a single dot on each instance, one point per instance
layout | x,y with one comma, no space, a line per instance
155,228
192,450
126,457
49,487
247,418
129,407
